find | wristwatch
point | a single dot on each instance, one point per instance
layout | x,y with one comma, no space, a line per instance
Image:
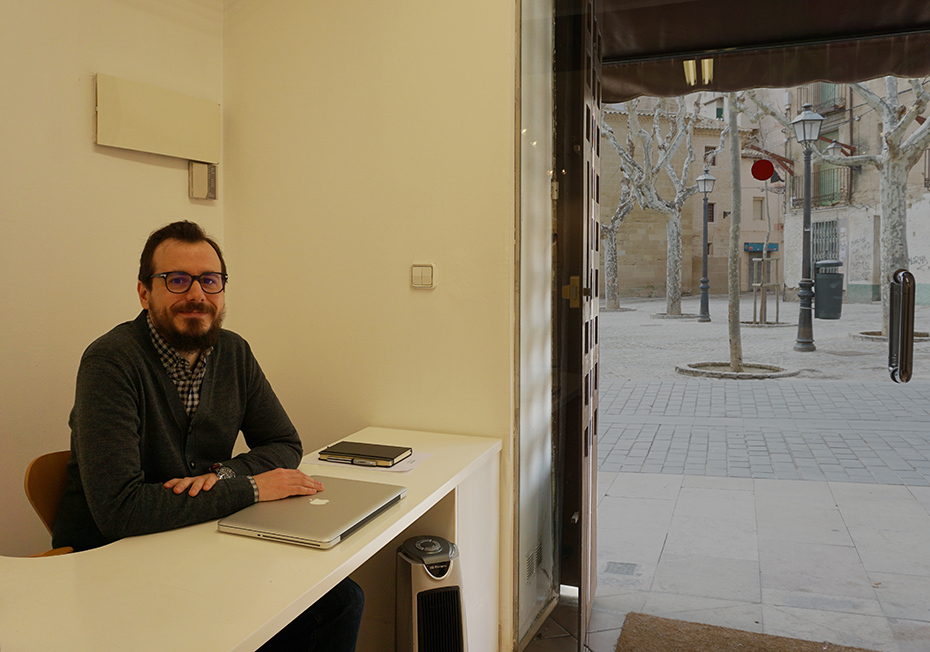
222,472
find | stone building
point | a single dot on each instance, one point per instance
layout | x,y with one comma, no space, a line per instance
846,210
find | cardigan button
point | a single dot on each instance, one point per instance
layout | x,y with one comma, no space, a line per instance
193,464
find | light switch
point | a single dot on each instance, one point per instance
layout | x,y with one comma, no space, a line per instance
422,276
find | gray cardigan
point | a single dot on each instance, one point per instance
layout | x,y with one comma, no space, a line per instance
130,434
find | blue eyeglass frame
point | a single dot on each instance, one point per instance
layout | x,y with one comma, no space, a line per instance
164,276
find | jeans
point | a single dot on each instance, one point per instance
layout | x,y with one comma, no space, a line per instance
329,625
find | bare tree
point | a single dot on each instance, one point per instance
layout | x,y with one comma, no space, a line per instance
609,234
900,152
658,152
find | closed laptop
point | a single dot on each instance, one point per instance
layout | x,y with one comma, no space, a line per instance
319,521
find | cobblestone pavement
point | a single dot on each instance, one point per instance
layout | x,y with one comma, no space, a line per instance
834,431
840,419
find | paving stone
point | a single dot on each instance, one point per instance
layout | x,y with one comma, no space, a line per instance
748,443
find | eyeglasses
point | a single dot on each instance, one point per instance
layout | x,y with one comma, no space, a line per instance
181,282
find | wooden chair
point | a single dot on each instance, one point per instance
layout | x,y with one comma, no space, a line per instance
45,485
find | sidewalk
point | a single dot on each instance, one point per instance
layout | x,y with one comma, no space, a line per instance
798,507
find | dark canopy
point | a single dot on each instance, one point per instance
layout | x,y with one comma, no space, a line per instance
755,44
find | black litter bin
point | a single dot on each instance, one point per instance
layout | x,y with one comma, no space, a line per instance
828,290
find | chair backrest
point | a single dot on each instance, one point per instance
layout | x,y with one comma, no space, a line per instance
45,484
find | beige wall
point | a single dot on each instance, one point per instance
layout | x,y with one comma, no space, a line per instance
73,216
392,144
340,175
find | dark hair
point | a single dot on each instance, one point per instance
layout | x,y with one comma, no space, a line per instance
185,232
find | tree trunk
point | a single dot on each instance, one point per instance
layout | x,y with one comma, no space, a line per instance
893,238
612,276
736,343
673,266
764,267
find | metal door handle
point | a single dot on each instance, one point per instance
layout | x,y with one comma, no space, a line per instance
572,292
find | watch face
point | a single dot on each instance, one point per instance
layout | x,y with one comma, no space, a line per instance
225,473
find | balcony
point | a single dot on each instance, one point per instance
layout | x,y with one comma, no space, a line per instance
824,97
829,187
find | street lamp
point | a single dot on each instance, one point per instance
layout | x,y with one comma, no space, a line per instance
807,131
705,184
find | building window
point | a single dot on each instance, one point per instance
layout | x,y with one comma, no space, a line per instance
710,211
825,241
710,156
827,179
757,206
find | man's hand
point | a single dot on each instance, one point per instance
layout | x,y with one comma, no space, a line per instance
281,483
204,482
272,485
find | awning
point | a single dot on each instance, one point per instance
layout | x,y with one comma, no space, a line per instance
753,44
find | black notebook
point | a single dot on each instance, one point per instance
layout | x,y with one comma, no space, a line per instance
355,452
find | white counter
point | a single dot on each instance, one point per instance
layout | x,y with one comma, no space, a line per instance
195,588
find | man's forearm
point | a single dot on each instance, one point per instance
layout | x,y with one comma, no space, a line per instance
154,508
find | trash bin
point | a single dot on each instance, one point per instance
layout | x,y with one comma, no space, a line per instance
828,290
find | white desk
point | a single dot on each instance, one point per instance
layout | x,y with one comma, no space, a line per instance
195,588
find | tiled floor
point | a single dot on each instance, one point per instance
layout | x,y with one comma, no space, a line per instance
824,559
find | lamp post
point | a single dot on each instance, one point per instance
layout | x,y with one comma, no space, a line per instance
705,184
807,131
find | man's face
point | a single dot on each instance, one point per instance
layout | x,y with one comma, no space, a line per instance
191,321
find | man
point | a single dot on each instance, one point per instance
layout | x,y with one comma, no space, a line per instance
159,404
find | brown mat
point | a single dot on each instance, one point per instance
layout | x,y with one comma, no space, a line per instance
642,633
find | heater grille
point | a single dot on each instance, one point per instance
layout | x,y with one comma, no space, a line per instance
439,621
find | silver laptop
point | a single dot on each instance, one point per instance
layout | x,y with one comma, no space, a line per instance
319,521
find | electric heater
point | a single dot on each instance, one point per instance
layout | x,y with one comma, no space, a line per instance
430,612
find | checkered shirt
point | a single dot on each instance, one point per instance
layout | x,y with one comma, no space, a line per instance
187,379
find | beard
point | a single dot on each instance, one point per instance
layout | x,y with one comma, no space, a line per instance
192,337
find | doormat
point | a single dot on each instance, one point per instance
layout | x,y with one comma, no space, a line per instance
642,633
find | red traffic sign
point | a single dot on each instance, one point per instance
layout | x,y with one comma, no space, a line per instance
763,169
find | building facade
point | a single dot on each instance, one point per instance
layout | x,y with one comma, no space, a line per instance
846,207
845,202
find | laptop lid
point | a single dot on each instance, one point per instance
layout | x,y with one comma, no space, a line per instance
319,521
